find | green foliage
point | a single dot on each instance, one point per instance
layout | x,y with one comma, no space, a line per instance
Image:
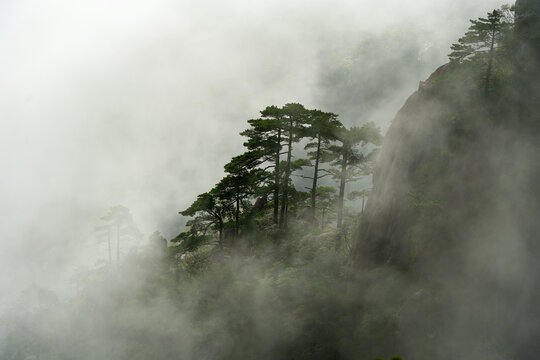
481,45
484,34
190,240
354,195
351,158
211,212
240,201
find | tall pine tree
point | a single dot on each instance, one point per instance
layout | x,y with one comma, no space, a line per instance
480,43
266,137
323,129
295,118
353,159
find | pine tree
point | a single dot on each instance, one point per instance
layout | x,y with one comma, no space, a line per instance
326,202
322,130
210,211
242,181
351,158
266,138
119,218
480,42
295,117
362,194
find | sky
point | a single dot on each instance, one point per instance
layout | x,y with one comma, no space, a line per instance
140,103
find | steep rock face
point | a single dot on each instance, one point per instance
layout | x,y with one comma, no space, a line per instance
527,6
450,156
455,207
430,172
527,15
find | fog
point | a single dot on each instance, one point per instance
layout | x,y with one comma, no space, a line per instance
140,103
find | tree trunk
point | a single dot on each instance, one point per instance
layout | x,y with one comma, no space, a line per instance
284,201
221,234
315,177
118,244
276,181
109,244
237,215
490,64
342,190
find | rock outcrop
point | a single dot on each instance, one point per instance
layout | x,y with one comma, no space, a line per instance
454,209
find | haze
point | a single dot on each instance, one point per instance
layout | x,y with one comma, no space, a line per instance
140,103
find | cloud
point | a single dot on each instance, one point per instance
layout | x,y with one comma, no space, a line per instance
140,103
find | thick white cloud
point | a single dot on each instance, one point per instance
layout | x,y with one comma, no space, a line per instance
140,103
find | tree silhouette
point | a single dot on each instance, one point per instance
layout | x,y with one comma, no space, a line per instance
322,130
363,194
209,211
277,128
105,230
480,42
119,218
352,159
295,118
241,182
265,137
326,202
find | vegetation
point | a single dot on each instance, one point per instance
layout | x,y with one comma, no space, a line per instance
119,220
266,170
351,161
483,40
272,264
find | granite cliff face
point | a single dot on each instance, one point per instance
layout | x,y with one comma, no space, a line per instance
527,15
449,151
455,209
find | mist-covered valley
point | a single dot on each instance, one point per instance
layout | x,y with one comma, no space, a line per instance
214,181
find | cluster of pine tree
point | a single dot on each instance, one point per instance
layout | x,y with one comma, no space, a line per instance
258,189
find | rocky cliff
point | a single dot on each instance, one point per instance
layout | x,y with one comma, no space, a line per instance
455,207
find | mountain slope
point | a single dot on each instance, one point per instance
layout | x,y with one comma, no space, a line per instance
455,207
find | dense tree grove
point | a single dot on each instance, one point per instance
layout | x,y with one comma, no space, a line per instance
261,179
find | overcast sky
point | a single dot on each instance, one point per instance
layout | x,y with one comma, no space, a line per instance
140,102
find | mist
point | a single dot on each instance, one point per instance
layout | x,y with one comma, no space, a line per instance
141,104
